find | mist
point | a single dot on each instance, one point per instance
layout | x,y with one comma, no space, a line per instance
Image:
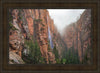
64,17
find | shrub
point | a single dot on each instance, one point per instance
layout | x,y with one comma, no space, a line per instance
71,56
42,29
86,58
49,48
58,61
54,34
10,17
63,61
12,27
20,14
43,24
37,20
20,17
34,56
55,51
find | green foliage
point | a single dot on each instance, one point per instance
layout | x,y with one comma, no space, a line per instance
42,29
49,49
54,34
10,17
43,24
55,51
38,20
70,57
86,58
63,61
20,14
12,27
58,61
20,17
34,56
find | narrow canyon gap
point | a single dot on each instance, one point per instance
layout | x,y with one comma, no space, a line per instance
34,38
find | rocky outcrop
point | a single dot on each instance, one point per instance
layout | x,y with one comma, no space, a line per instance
78,34
28,24
51,57
14,58
15,42
16,36
84,34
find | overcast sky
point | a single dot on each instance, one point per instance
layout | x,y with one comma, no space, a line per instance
63,17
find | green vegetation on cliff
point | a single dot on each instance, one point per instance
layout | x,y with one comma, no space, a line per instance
71,56
12,27
34,56
55,51
87,59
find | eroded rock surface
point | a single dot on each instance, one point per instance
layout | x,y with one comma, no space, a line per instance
27,23
78,35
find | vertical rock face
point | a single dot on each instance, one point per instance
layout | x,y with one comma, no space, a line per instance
33,24
30,22
78,35
85,33
69,36
57,40
16,36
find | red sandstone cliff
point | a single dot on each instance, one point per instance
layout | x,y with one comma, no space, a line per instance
78,35
30,22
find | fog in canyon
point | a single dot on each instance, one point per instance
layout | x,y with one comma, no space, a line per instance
34,36
64,17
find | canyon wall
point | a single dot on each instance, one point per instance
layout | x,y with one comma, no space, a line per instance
30,24
57,38
78,35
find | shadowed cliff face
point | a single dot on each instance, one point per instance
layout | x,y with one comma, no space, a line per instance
78,35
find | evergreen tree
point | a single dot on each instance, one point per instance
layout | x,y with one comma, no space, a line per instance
71,57
55,51
34,56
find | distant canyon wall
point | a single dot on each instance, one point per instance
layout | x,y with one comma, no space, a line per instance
78,34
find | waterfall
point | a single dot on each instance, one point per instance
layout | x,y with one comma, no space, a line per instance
49,36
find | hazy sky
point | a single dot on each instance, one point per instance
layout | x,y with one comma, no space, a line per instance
63,17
